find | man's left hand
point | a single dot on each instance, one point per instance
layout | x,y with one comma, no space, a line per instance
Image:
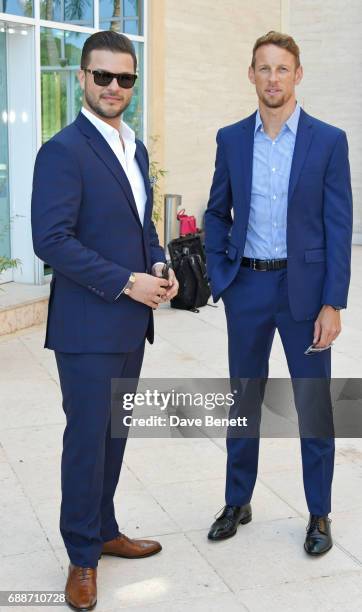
326,327
172,281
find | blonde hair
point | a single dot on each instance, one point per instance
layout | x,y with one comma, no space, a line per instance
279,40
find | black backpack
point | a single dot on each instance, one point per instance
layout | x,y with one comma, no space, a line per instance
188,261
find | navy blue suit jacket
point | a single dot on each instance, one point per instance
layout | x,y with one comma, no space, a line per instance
86,226
319,216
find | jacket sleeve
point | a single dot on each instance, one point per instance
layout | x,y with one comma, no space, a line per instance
218,219
337,212
56,201
157,251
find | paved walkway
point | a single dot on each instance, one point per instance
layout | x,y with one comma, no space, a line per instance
171,488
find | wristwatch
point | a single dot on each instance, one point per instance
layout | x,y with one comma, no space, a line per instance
131,281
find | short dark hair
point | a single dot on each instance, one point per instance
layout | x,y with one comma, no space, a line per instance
110,41
284,41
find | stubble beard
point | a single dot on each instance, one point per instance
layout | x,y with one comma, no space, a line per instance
274,103
109,114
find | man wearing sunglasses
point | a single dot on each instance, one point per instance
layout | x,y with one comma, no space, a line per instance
91,219
278,243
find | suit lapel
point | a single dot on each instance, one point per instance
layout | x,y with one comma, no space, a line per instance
247,147
242,159
302,143
102,149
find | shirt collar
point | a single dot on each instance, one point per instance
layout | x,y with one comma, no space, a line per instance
291,122
109,132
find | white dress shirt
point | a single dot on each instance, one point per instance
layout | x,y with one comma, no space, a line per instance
126,156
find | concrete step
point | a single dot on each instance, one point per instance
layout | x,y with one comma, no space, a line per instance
22,305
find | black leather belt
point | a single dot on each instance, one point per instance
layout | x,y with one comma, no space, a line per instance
264,265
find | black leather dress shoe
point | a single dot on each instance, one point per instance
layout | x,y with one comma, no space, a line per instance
227,523
319,537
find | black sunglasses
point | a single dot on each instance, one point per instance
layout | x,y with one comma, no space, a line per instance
102,78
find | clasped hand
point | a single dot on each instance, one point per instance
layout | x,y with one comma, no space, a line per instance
152,289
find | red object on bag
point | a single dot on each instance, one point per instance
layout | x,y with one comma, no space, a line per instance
187,223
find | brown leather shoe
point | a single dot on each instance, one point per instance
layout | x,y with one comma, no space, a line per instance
122,546
81,588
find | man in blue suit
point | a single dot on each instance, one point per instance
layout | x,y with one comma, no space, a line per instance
91,219
278,244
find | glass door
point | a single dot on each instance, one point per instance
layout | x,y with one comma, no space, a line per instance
5,274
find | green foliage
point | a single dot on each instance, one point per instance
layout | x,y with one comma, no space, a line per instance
74,10
28,8
156,173
6,263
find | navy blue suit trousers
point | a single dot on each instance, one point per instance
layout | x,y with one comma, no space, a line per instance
91,459
256,304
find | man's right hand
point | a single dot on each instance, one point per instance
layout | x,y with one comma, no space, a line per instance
148,289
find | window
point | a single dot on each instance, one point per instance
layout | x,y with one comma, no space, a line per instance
58,30
17,7
121,16
61,95
134,113
77,12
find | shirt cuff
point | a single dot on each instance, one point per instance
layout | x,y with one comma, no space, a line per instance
120,293
335,307
156,264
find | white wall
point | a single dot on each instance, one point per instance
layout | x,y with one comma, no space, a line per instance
208,49
329,34
207,53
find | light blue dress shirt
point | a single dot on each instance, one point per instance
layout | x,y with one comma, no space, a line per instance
272,160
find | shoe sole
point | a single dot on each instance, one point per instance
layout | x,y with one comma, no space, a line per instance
109,554
317,554
244,521
73,607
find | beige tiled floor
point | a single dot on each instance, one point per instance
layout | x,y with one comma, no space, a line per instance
171,488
